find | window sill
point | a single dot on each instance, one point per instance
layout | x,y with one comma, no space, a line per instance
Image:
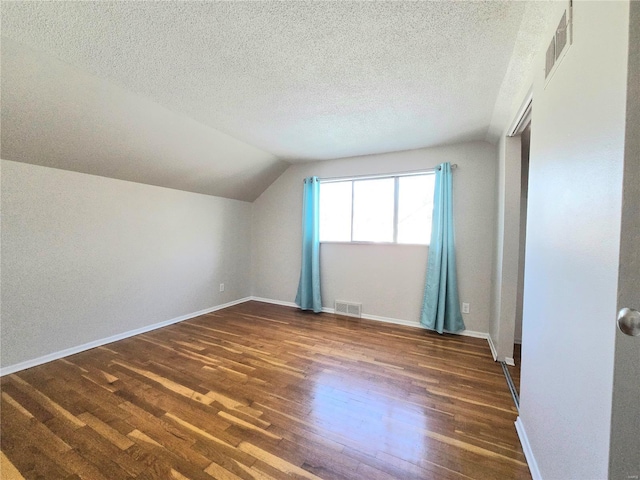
377,243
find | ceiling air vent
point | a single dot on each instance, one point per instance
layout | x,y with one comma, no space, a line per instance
561,35
350,309
560,43
551,57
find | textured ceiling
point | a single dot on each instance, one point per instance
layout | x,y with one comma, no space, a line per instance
58,116
534,33
293,80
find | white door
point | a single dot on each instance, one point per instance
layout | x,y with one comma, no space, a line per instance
624,458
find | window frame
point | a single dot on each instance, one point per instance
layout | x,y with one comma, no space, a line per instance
396,197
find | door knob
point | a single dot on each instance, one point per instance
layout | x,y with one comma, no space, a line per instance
629,321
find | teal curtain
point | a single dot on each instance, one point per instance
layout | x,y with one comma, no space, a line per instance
441,305
308,296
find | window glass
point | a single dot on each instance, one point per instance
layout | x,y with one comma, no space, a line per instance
378,209
415,208
373,206
335,212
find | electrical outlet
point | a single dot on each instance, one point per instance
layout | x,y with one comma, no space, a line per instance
465,308
222,287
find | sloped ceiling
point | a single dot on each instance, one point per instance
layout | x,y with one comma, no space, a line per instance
218,97
59,116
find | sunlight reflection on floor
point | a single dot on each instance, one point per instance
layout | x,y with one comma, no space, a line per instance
356,413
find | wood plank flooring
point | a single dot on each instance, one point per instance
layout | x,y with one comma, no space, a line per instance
259,391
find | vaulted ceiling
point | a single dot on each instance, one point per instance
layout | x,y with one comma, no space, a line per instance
219,97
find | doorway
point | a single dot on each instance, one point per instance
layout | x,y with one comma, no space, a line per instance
514,370
513,200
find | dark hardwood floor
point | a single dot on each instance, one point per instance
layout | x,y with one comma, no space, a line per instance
259,391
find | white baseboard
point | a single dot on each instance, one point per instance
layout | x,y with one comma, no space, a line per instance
409,323
526,448
120,336
103,341
274,302
366,316
494,352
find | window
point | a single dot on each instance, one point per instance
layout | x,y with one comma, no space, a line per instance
393,209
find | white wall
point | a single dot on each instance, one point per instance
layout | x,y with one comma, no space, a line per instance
87,257
387,280
573,235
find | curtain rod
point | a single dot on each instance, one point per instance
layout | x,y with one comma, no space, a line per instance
383,175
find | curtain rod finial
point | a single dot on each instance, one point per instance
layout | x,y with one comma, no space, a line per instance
453,166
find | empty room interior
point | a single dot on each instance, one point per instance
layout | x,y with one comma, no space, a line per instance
320,240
